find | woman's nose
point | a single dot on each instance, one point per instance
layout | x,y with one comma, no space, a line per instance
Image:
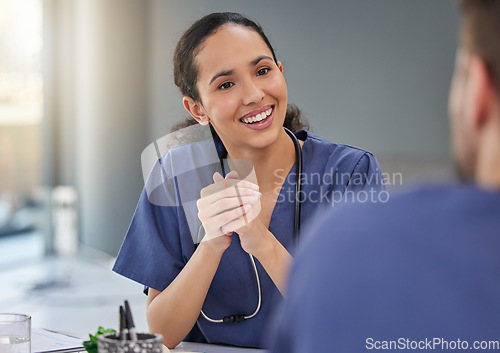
252,93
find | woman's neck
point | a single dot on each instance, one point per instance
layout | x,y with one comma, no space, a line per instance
271,162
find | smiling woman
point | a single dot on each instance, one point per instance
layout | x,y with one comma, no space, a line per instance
231,80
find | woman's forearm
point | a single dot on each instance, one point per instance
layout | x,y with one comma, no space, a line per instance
257,240
174,311
276,260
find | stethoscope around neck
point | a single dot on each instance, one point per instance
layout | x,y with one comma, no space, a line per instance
296,229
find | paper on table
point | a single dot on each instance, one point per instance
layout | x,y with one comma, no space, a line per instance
49,341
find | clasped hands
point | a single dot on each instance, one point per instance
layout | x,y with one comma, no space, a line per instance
229,205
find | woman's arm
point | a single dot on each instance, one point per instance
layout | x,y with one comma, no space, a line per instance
173,312
257,240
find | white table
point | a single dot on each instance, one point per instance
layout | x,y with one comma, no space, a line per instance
185,347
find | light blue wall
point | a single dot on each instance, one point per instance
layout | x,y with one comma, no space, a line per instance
370,73
374,74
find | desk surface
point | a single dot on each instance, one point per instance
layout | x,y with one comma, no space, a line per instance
82,289
185,347
190,347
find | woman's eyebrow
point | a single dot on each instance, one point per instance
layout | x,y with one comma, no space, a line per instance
230,72
222,73
258,59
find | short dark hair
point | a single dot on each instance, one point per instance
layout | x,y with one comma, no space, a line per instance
481,32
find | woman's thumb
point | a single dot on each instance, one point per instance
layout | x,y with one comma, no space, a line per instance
218,177
232,175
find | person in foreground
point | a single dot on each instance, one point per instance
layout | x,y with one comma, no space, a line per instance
421,271
210,291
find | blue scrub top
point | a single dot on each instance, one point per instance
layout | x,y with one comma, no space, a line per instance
418,273
160,240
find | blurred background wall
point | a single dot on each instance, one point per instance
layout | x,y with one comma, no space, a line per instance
369,73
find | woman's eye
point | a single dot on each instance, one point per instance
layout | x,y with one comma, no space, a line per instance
226,85
263,71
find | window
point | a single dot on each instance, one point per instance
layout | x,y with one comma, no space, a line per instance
21,107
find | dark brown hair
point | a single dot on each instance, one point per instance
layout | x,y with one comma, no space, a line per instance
481,31
186,71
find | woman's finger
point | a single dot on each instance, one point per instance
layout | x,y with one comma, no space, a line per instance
221,218
217,177
210,197
214,223
221,192
235,224
231,215
208,210
227,204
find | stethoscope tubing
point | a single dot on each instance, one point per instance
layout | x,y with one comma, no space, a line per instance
298,185
296,230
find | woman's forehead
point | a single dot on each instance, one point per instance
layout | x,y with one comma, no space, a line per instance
230,46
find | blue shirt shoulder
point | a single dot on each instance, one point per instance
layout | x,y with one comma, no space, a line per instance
398,273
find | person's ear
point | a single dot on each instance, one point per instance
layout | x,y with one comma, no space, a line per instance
482,91
280,66
196,110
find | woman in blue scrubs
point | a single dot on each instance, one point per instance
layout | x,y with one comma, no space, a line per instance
230,78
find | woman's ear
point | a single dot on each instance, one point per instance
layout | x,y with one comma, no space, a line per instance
481,91
280,66
196,110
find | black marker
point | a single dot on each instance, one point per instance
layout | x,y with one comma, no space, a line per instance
123,323
130,322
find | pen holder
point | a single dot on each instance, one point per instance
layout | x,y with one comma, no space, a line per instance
146,343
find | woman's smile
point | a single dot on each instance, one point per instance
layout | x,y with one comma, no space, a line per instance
260,118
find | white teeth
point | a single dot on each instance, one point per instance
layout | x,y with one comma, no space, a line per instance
258,117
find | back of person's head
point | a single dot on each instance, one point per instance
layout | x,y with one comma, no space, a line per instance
474,101
481,32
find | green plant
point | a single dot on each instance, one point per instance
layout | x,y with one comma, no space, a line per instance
91,346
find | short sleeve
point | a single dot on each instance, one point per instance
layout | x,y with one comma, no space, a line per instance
151,253
366,175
